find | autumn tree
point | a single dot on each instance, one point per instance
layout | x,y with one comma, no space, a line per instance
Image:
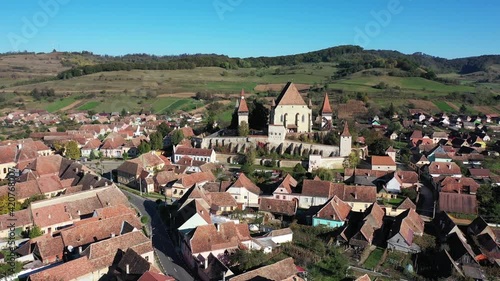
35,232
72,150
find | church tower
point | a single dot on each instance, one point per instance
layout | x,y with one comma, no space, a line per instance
345,141
326,113
242,108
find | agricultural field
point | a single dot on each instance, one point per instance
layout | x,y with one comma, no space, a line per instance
444,106
89,105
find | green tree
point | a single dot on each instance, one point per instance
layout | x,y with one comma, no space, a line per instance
156,141
352,160
298,171
323,174
332,267
32,198
35,232
144,147
258,116
92,155
426,242
243,129
72,150
123,112
164,129
250,157
331,138
410,193
177,137
125,156
395,126
463,108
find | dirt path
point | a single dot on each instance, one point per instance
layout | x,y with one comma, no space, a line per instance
178,95
452,105
68,107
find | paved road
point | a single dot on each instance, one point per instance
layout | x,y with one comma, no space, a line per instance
164,247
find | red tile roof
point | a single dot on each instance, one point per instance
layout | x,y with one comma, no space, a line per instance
242,106
382,161
457,203
444,168
244,182
290,96
210,237
222,199
288,183
64,272
190,151
276,206
334,209
326,108
50,248
317,188
345,132
279,271
191,179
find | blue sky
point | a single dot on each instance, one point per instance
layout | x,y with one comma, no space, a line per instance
243,28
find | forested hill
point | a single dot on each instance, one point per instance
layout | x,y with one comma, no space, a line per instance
349,58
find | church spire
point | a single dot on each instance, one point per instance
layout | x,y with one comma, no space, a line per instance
345,132
326,108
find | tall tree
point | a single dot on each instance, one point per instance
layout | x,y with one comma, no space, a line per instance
259,115
156,140
72,150
177,137
164,129
144,147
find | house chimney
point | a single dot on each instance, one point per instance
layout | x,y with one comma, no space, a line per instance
127,268
206,263
78,212
50,216
218,227
91,187
80,249
112,234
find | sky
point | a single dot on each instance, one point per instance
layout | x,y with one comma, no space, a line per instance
249,28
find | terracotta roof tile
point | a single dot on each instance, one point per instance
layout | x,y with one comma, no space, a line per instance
383,161
290,96
190,151
222,199
210,237
64,272
50,248
334,209
151,276
288,183
457,203
276,206
244,181
242,106
282,270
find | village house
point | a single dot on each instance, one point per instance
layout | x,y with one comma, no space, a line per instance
245,192
199,154
383,163
183,184
129,172
360,233
405,228
282,270
333,214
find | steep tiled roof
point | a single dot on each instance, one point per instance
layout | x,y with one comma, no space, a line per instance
113,211
92,144
407,204
326,108
191,179
457,203
276,206
290,96
44,165
190,209
101,254
282,270
51,215
50,247
111,196
383,161
23,217
97,230
334,209
444,168
317,188
242,106
222,199
8,154
288,183
244,181
363,278
211,237
64,272
345,132
359,193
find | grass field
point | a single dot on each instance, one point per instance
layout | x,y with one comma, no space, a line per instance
60,103
374,258
444,106
89,105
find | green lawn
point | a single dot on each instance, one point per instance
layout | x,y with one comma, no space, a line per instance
444,106
89,105
60,103
374,258
160,104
